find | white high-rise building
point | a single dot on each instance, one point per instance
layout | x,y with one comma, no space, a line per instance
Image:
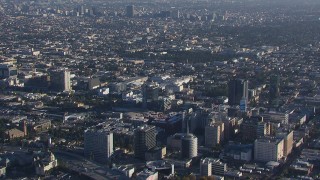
98,144
66,81
268,149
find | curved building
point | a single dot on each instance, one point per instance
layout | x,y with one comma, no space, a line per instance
189,146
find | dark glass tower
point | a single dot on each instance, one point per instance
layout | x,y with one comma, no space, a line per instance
130,11
274,91
237,90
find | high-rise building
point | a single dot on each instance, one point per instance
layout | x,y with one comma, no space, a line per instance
288,141
98,144
185,122
189,146
243,104
205,167
174,141
237,90
274,91
268,149
214,133
60,80
150,93
229,128
253,127
130,12
144,140
262,129
175,13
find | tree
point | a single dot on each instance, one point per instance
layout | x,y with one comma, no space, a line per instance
185,178
203,178
192,177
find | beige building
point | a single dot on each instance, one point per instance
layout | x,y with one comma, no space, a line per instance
268,149
42,166
14,133
42,126
288,141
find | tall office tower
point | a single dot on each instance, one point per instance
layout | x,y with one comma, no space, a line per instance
274,91
229,128
66,81
175,13
214,134
184,124
243,104
237,90
150,93
98,144
144,140
288,141
82,10
60,80
130,12
249,128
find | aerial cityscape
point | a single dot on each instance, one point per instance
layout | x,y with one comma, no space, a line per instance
160,89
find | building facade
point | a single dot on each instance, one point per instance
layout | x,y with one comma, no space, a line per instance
144,140
60,80
274,91
268,149
237,90
214,134
210,166
98,144
189,146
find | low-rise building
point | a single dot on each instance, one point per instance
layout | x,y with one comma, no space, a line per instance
45,164
210,166
14,133
300,167
42,126
147,175
242,152
127,171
